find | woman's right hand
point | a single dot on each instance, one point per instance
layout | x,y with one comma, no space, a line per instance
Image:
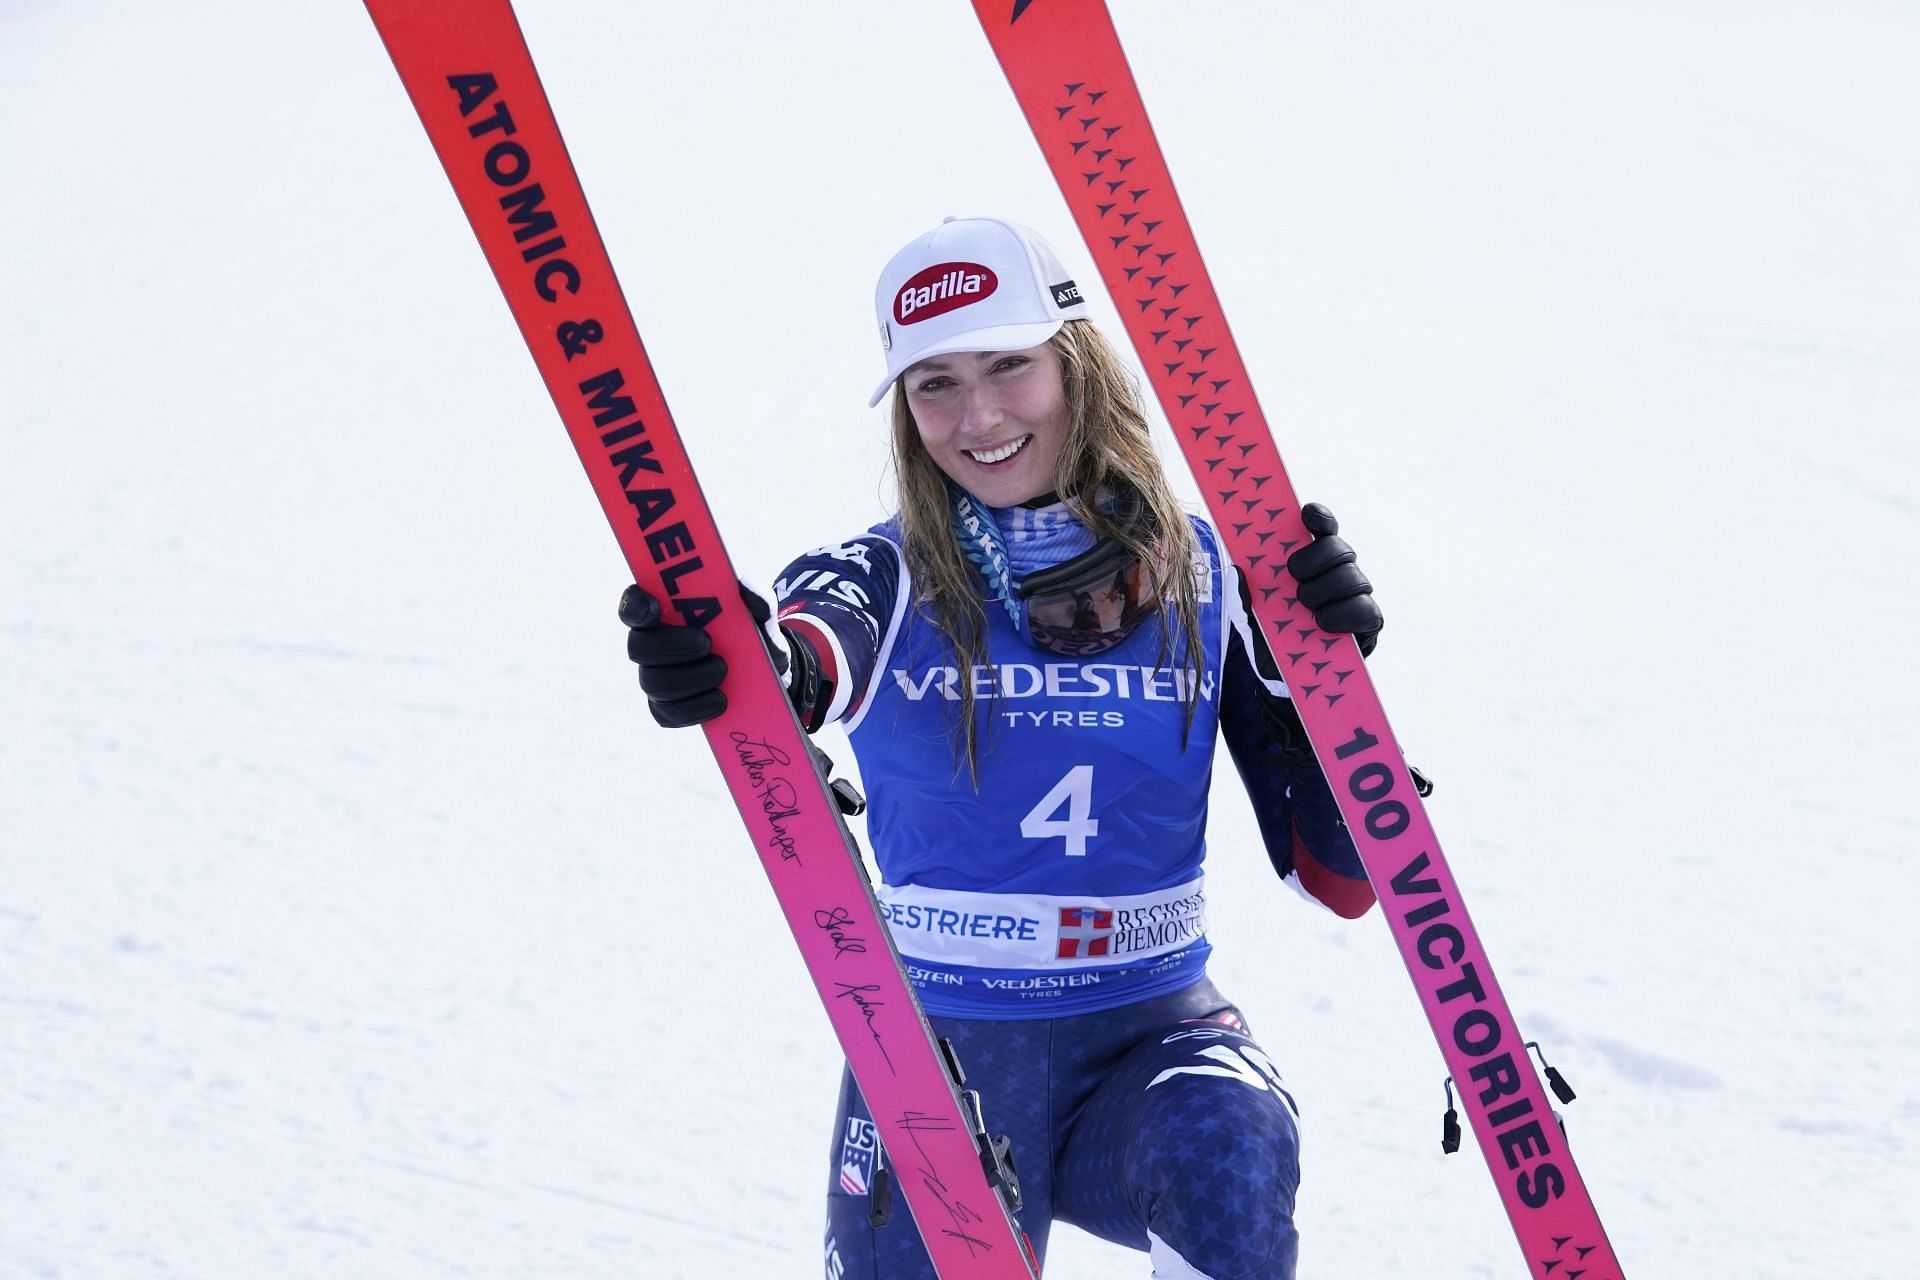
679,671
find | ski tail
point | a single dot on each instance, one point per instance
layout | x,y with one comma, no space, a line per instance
468,71
1066,66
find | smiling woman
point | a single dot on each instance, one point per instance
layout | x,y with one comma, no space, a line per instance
1033,661
992,421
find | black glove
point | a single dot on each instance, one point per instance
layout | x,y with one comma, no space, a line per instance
681,674
1331,583
679,671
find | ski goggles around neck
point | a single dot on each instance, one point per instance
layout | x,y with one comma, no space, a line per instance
1088,604
1079,607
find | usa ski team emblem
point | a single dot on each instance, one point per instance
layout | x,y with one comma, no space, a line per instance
857,1157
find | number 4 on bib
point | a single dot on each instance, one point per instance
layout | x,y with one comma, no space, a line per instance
1074,792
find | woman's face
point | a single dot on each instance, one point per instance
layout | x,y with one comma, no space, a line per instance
994,421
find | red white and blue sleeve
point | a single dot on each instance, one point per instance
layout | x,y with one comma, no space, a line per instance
837,606
1306,839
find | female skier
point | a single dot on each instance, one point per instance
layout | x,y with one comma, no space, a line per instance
1031,660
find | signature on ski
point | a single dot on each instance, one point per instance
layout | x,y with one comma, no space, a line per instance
869,1009
835,921
913,1122
778,799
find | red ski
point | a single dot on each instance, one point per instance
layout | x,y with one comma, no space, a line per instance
471,78
1064,61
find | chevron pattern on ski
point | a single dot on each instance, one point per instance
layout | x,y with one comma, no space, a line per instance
1065,64
1195,365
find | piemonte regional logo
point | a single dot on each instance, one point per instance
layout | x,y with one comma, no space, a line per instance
943,287
1147,928
1085,931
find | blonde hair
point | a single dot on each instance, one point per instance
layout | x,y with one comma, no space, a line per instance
1107,447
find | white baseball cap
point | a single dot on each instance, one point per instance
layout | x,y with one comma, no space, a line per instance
970,284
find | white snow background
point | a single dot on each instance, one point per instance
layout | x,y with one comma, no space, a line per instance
355,919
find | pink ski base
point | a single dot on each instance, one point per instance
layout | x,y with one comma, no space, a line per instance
1064,61
472,80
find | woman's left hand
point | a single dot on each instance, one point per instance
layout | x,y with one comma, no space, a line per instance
1331,583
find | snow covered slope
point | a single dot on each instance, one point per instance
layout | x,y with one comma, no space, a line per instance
356,920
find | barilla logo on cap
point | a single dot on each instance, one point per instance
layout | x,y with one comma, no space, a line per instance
941,288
